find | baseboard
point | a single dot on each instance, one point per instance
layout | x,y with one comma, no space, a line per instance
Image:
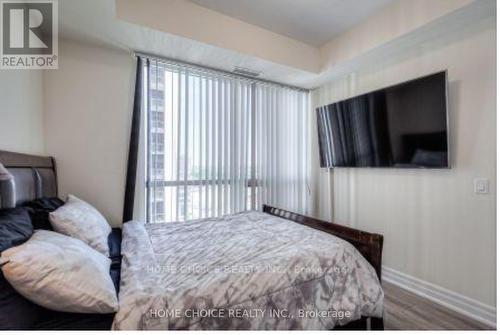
461,304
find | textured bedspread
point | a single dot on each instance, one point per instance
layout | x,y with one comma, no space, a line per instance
244,271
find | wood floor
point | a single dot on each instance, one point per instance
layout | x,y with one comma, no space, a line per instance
407,311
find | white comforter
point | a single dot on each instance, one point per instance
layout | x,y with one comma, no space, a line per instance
244,271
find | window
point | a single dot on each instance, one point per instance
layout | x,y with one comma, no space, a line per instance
220,144
158,143
158,120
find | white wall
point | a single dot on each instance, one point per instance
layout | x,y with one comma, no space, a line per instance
435,228
88,108
21,111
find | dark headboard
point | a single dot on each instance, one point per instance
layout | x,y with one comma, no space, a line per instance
33,177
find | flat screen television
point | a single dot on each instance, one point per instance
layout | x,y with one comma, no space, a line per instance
401,126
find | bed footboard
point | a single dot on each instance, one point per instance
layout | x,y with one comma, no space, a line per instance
368,244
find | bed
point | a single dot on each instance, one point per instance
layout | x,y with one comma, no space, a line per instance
289,270
36,178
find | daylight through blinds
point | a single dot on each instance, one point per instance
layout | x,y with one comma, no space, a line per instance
219,144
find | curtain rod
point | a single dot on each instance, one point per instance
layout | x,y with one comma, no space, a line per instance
203,68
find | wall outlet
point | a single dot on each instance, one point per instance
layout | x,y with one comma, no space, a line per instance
481,186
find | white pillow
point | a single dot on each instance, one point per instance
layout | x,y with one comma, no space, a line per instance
60,273
80,220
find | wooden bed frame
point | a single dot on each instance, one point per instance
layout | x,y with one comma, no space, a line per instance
368,244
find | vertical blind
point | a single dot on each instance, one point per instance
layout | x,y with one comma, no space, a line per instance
218,144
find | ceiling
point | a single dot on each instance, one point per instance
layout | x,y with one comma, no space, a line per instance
313,22
94,22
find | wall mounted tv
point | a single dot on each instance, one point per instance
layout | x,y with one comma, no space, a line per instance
402,126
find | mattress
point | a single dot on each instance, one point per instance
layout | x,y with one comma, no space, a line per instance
245,271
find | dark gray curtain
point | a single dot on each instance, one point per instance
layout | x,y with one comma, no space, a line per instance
133,151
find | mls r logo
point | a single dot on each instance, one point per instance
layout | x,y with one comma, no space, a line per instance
27,27
17,27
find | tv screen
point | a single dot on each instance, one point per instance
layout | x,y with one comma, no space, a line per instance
402,126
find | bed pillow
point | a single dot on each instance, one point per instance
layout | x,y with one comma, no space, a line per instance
15,227
39,210
80,220
60,273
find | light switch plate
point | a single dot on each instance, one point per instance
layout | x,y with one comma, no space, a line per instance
481,186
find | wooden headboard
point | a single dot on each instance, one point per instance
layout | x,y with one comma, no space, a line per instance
33,177
368,244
